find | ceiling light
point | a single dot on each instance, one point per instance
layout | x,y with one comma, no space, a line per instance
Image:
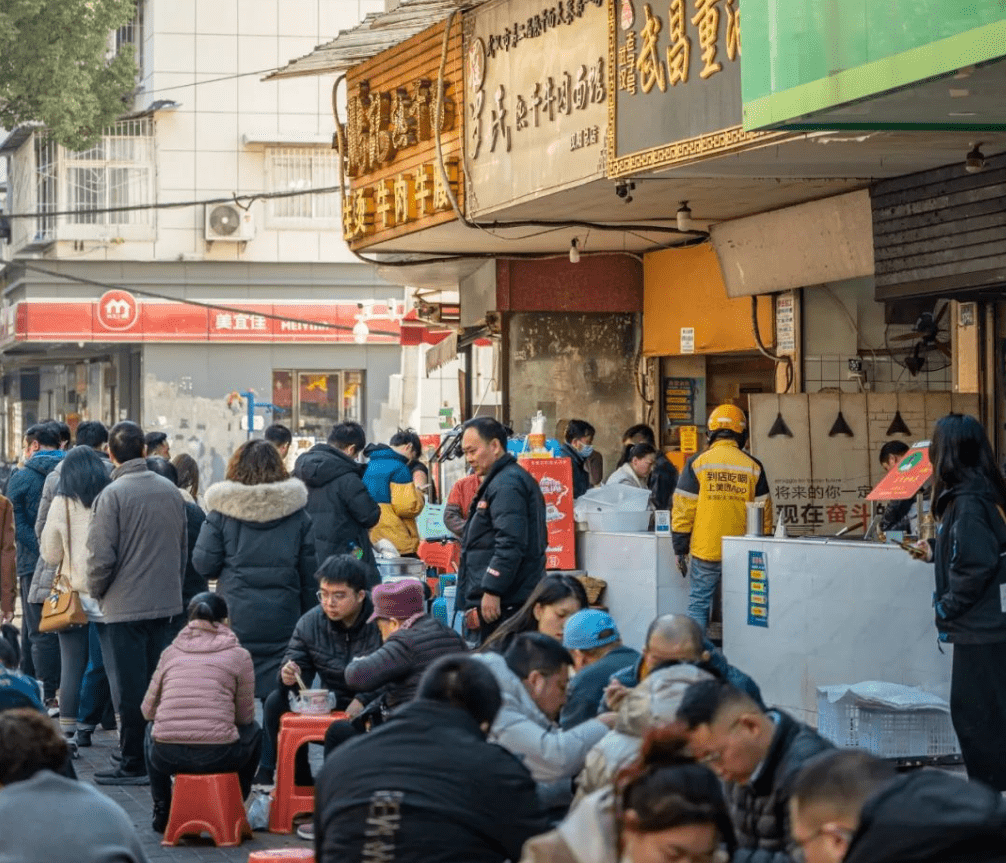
975,160
684,216
959,94
574,252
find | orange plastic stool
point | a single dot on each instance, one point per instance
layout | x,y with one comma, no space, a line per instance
210,803
289,800
303,855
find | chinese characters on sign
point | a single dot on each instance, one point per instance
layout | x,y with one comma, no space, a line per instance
381,125
820,506
565,12
645,62
555,479
229,321
399,200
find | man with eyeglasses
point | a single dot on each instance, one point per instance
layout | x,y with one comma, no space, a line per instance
326,639
757,754
849,807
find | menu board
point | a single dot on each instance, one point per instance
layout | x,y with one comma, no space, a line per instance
757,589
907,478
555,479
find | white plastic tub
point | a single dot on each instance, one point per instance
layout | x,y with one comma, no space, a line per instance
618,522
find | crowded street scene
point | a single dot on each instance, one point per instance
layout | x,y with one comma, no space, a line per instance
502,431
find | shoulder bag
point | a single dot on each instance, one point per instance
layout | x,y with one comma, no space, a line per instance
62,608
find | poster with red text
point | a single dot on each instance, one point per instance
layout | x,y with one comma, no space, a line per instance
555,479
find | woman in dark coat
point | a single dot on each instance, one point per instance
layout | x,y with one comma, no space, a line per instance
257,542
969,497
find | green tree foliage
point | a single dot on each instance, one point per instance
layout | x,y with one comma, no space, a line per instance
56,68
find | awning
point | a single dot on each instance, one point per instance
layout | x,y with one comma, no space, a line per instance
376,33
442,353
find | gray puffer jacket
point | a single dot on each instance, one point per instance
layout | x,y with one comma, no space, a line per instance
653,702
258,543
137,546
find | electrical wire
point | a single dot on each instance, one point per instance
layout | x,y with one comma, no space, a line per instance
209,81
203,305
776,358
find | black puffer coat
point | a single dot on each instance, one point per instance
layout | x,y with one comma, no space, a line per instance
431,788
327,647
931,817
338,502
970,571
194,582
402,659
503,546
257,542
581,479
760,809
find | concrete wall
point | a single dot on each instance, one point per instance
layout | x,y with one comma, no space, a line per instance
185,390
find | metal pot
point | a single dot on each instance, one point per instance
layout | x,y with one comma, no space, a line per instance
397,568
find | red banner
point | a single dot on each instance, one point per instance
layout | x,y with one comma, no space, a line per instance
120,317
555,479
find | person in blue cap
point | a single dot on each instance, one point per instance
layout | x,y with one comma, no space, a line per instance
592,637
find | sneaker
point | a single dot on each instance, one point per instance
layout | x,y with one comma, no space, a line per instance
115,756
121,777
72,746
83,738
52,708
160,820
306,831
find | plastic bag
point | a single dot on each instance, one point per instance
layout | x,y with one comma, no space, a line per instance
258,807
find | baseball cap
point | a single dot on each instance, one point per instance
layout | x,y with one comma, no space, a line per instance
588,629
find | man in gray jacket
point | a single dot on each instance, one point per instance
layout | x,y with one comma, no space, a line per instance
137,552
532,676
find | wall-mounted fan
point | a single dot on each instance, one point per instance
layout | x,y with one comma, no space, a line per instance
928,335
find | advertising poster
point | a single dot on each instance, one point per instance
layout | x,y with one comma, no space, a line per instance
555,479
757,589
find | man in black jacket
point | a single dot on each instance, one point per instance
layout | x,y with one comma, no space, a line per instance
757,754
426,786
849,806
413,640
339,504
503,546
325,641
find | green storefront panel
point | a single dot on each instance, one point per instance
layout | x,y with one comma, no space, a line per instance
805,61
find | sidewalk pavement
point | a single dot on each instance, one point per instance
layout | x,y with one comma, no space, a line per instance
136,801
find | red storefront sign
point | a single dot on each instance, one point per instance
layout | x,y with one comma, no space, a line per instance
907,478
555,479
120,317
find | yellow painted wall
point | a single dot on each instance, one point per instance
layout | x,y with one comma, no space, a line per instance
684,288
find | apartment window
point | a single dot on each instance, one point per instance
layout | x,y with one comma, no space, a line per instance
314,401
131,33
116,172
296,169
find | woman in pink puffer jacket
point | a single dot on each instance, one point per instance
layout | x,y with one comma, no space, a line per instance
201,706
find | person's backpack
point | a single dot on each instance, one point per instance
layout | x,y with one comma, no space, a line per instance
19,690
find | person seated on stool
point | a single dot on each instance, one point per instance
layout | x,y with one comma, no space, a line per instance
201,706
324,642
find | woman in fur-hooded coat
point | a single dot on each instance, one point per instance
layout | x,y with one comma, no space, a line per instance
258,543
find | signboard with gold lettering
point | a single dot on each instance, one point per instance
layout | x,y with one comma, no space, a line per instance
536,94
395,185
675,81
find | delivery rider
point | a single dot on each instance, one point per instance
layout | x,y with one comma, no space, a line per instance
710,502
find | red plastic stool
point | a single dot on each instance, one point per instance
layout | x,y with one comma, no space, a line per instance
304,855
210,803
290,800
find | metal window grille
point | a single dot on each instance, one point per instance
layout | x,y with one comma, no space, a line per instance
292,169
131,33
46,188
116,172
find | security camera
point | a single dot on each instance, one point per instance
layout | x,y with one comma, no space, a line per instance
624,189
975,160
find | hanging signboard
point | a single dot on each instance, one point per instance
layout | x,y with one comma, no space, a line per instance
905,480
675,81
555,479
395,183
536,99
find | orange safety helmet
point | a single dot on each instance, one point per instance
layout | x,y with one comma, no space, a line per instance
727,418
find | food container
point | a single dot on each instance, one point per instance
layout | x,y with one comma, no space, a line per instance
397,568
315,702
619,522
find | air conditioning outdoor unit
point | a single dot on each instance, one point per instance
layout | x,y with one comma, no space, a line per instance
228,223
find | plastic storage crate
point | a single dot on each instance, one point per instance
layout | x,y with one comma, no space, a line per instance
886,733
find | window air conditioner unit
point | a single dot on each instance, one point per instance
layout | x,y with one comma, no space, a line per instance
228,223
